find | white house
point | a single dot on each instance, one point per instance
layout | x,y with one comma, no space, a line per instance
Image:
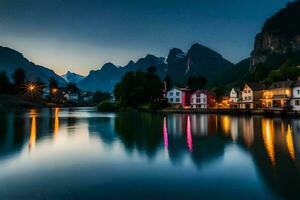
174,96
46,93
234,95
295,100
199,99
71,96
251,94
178,96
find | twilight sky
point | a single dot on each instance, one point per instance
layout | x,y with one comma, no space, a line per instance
80,35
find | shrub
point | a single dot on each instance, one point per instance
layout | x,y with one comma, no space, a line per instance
107,106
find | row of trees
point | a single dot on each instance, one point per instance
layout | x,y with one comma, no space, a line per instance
138,88
146,88
6,87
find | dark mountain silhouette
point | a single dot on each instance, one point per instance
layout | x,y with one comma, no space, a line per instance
72,77
10,60
278,45
199,60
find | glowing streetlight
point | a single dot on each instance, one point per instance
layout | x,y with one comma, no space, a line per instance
31,87
54,90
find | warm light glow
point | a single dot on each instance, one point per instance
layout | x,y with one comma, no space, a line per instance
290,142
56,122
225,124
189,134
33,131
268,138
31,87
54,90
247,131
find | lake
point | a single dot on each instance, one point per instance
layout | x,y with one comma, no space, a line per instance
79,153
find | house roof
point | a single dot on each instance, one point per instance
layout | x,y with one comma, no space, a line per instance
207,92
296,83
281,84
237,89
256,86
178,88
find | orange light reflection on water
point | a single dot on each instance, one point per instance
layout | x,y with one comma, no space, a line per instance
268,138
290,142
56,122
33,130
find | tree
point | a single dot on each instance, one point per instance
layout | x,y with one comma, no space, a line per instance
53,86
219,92
101,96
151,69
53,83
72,87
19,77
168,82
137,88
197,82
5,85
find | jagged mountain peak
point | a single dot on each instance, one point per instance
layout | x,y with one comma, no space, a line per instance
108,66
174,55
198,50
72,77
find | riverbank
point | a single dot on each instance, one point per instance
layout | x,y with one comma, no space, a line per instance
19,101
8,102
265,112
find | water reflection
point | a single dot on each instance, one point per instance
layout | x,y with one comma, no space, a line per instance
33,131
202,141
56,122
268,136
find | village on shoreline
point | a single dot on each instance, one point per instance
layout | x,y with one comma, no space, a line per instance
278,98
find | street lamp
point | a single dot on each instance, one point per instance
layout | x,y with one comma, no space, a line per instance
31,87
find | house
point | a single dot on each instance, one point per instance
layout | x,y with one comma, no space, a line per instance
179,97
277,95
46,93
86,97
234,95
295,97
251,94
70,96
202,99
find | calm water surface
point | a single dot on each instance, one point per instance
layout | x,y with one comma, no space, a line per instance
83,154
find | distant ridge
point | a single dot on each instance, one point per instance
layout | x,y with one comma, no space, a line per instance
10,60
199,60
72,77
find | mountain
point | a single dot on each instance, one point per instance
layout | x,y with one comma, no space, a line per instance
279,37
10,60
71,77
199,60
109,74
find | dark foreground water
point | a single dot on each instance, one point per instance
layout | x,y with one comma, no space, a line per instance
83,154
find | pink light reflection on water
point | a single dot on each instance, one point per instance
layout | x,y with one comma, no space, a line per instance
165,132
189,134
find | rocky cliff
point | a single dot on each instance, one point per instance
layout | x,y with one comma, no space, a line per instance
280,35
